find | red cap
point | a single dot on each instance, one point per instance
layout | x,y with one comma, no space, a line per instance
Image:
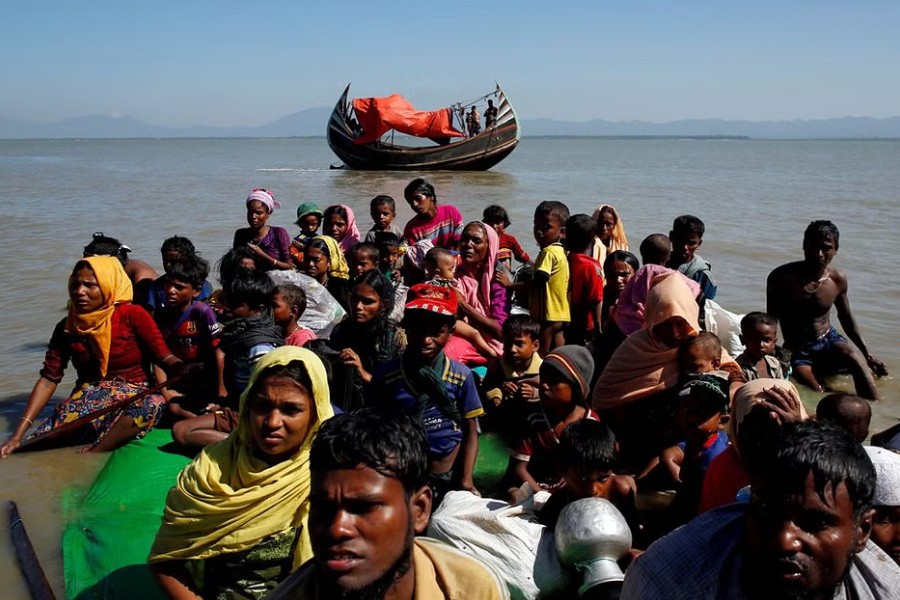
433,298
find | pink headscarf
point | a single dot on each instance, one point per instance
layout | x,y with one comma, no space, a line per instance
266,197
478,292
351,238
629,313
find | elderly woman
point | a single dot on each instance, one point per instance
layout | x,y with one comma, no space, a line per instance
636,391
110,342
482,301
271,246
239,510
366,338
610,233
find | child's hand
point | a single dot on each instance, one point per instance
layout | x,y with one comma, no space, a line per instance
510,389
529,390
502,278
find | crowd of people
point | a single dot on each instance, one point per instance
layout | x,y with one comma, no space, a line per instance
324,449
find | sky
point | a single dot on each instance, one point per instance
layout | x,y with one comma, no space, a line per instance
228,63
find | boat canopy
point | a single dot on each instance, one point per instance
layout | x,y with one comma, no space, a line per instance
377,116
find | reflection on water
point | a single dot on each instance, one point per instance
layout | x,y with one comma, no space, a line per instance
756,197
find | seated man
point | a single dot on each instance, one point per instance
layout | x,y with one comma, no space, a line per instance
804,533
800,295
369,498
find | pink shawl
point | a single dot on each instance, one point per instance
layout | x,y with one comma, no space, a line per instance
629,313
351,238
477,292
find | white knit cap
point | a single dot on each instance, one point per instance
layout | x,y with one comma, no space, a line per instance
887,470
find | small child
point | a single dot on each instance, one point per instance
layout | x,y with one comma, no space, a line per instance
248,335
363,257
173,249
701,419
383,211
686,236
849,412
440,269
565,378
390,249
497,217
191,332
585,281
514,378
309,217
699,354
656,249
442,225
288,305
587,451
759,333
441,390
548,288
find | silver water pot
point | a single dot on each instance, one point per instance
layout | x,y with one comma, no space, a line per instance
592,535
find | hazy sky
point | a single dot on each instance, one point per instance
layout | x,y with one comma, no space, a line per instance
199,62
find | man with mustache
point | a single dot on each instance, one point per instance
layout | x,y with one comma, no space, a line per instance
369,499
804,534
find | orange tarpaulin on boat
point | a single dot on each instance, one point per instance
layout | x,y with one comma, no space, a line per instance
377,116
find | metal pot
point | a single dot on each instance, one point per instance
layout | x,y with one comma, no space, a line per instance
592,535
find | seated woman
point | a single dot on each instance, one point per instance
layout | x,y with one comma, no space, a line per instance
339,222
271,246
111,343
482,301
366,338
239,510
324,262
636,393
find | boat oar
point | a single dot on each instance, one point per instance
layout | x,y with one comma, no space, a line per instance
38,586
36,442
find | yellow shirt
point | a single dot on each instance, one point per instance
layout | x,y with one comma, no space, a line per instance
550,303
442,572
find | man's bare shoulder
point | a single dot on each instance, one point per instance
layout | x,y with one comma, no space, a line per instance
789,270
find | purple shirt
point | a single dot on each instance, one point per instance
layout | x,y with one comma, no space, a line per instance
276,243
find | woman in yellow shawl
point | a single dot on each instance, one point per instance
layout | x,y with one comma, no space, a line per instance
635,392
240,508
110,342
324,261
610,233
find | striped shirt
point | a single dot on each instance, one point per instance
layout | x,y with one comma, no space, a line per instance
444,229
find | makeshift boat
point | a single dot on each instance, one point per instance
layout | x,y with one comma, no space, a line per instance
362,133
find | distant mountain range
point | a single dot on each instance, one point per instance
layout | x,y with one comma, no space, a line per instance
311,123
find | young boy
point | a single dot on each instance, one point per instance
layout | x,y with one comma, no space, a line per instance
849,412
565,378
383,211
514,378
363,257
309,217
191,331
173,249
548,288
441,390
587,451
249,333
288,305
686,236
759,332
585,281
497,217
390,249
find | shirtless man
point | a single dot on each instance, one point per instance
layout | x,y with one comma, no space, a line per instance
800,295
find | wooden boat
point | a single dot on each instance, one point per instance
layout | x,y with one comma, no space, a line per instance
375,149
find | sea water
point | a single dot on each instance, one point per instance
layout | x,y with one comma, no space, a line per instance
755,197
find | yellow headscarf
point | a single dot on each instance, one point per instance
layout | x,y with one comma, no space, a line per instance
617,239
339,266
228,500
96,325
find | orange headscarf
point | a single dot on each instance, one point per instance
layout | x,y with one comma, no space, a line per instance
644,365
96,325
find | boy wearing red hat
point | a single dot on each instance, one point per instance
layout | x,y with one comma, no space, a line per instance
442,391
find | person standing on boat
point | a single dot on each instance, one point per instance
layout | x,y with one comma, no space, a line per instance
490,115
111,342
800,295
473,122
271,246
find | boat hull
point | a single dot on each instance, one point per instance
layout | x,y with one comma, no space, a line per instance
476,153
